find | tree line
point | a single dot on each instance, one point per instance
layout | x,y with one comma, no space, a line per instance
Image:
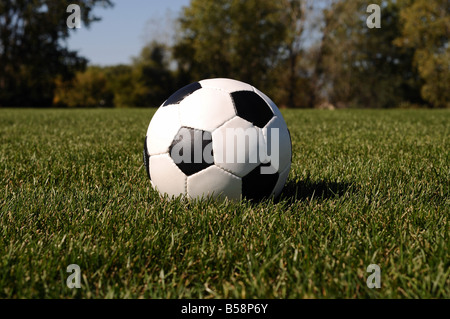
302,53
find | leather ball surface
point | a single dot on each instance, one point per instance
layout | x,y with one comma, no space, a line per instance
218,138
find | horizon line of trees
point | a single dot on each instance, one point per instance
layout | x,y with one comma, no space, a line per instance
302,53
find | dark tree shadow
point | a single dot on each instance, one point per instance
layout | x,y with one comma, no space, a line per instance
306,190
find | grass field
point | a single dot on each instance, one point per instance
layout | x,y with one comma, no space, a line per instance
366,187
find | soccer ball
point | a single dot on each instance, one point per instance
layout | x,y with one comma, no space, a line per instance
218,138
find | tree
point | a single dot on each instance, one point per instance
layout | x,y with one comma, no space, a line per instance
296,68
121,81
148,81
362,67
154,81
89,88
233,38
32,54
426,29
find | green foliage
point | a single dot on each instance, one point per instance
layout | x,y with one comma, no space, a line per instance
153,80
263,42
426,29
88,89
362,66
366,186
121,82
147,82
244,40
32,54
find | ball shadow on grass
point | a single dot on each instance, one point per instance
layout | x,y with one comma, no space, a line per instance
307,190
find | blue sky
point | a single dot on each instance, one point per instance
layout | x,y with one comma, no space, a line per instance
125,29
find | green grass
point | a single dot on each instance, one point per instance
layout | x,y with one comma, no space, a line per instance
366,187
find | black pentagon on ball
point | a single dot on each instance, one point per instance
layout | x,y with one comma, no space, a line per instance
182,93
188,150
256,186
251,107
146,159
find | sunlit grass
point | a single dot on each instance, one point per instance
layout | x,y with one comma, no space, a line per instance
366,187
